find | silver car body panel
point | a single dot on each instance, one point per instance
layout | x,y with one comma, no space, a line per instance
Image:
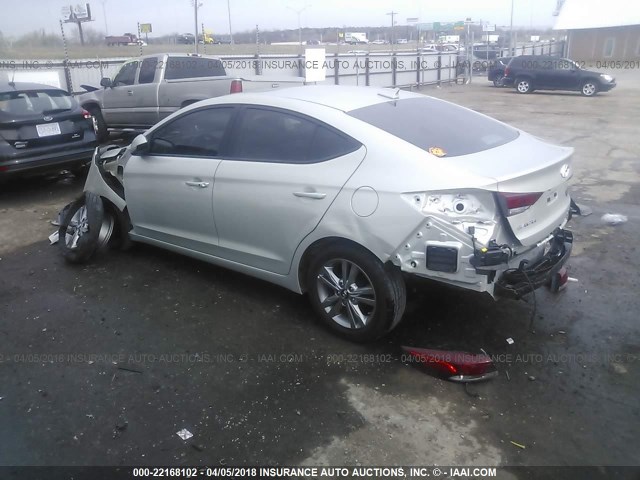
390,196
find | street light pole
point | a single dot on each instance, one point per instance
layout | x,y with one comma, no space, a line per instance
299,12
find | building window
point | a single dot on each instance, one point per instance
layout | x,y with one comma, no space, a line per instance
609,47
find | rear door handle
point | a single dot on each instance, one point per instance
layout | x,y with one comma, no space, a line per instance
198,184
314,195
130,93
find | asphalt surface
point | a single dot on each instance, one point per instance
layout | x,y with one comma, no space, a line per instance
103,364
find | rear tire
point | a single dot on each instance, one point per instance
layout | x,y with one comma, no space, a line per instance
498,81
354,294
85,228
523,85
102,134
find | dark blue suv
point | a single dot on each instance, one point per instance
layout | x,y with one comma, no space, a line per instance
542,72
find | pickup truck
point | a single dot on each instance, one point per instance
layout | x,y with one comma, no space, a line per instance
147,89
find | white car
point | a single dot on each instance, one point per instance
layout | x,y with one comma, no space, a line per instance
337,192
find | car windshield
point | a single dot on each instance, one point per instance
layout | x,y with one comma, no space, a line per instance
26,103
437,126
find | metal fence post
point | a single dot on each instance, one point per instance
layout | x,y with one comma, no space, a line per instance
418,68
366,70
336,69
300,66
394,68
439,69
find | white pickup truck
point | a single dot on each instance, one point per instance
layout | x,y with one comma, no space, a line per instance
147,89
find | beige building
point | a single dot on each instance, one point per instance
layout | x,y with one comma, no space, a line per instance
597,30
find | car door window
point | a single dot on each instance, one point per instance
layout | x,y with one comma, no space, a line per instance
196,134
126,75
148,70
275,136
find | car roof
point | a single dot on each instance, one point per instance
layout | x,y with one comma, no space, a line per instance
345,98
6,86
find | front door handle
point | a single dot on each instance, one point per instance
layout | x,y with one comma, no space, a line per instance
130,93
314,195
198,184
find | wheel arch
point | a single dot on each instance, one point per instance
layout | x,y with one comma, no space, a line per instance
122,220
322,243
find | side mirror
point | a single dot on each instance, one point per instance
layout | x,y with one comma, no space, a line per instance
139,146
105,82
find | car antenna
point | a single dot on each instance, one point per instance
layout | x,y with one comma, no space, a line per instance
395,96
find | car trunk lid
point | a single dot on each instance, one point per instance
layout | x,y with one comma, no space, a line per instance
532,184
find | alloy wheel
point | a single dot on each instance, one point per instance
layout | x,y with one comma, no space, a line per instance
346,293
589,89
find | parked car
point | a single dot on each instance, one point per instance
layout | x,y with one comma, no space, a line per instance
542,72
293,187
150,88
378,42
495,73
42,129
186,39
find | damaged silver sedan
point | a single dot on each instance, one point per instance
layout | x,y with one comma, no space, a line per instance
337,192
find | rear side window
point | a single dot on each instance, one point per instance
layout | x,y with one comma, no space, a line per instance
193,67
436,125
277,136
34,102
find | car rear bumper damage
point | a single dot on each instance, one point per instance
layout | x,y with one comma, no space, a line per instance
529,276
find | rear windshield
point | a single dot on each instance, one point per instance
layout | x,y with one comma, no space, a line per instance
437,126
15,104
193,67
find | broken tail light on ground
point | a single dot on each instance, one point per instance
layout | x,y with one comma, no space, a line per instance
454,365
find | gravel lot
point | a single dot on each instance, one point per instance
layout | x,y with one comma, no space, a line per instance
102,364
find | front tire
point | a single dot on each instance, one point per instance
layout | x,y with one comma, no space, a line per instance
85,228
354,294
523,85
589,88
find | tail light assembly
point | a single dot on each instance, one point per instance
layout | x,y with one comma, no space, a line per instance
86,114
236,86
515,203
453,365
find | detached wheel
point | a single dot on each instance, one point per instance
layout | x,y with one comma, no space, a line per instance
589,88
354,294
85,229
99,125
498,81
523,85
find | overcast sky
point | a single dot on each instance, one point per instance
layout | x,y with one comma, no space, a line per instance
169,16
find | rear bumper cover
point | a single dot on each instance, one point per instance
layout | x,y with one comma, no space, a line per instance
529,276
47,161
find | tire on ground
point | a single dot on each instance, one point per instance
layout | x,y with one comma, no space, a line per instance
388,284
88,242
102,134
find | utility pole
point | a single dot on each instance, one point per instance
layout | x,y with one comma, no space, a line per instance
195,15
511,45
104,14
393,14
229,13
